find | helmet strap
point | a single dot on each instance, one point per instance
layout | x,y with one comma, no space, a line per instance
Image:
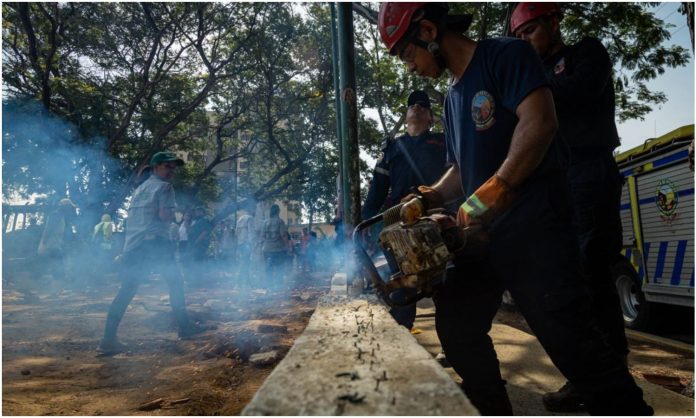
433,48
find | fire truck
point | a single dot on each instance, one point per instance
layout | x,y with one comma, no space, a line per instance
657,214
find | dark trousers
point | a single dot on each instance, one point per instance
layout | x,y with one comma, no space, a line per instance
153,256
404,315
276,263
532,253
243,263
595,188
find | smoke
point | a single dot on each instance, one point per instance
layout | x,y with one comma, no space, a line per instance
45,155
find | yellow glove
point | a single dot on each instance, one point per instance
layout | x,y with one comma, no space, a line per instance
416,204
487,202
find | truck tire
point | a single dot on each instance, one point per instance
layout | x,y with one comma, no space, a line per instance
636,310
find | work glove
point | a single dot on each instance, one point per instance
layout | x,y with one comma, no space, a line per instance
487,202
468,241
417,204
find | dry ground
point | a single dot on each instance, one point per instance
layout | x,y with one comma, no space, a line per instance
50,365
663,365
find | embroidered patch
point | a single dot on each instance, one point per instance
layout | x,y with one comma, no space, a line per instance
560,66
483,110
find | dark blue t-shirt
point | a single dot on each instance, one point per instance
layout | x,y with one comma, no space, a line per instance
394,175
480,108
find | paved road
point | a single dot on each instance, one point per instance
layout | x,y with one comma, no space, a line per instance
530,373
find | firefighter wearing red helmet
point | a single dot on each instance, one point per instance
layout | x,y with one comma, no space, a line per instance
526,12
501,124
583,91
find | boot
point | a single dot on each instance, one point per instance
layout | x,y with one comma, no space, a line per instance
491,400
111,347
565,399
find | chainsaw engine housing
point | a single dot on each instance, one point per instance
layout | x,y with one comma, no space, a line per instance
419,251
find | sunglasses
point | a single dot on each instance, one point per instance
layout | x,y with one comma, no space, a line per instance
421,104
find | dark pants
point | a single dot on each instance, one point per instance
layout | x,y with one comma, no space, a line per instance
276,263
404,315
595,187
53,261
532,253
153,256
243,263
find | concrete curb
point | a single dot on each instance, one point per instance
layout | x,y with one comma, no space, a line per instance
353,359
674,344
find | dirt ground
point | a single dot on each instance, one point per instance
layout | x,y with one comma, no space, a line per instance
660,364
50,365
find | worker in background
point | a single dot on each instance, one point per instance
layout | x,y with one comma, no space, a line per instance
102,236
501,123
56,240
147,249
583,91
245,243
276,248
417,157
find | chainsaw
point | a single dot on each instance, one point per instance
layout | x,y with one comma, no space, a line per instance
417,252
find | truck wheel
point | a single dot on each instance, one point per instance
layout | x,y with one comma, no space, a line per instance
636,310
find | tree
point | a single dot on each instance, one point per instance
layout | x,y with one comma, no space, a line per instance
637,41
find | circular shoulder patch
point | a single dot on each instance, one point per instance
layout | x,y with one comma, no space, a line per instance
483,110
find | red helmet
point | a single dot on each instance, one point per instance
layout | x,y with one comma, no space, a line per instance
525,12
394,21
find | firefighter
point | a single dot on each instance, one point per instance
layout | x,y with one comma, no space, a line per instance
417,157
500,122
583,90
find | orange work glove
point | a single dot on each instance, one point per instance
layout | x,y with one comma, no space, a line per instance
487,202
416,204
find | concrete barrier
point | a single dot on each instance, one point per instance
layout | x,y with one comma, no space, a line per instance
353,359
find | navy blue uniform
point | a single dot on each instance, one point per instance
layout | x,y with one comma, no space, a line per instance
583,90
394,177
532,250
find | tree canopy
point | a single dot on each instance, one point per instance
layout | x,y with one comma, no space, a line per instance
92,90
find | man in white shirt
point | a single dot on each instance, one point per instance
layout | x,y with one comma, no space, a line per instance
148,248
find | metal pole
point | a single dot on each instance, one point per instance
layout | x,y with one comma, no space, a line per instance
349,117
337,101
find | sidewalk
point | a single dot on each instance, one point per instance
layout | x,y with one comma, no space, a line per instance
530,373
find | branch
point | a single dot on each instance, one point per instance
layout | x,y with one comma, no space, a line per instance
366,12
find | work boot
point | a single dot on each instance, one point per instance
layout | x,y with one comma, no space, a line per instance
193,330
566,399
111,347
490,400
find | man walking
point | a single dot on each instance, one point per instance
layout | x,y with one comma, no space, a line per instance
148,248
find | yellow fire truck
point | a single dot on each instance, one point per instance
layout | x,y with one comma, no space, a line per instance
657,214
